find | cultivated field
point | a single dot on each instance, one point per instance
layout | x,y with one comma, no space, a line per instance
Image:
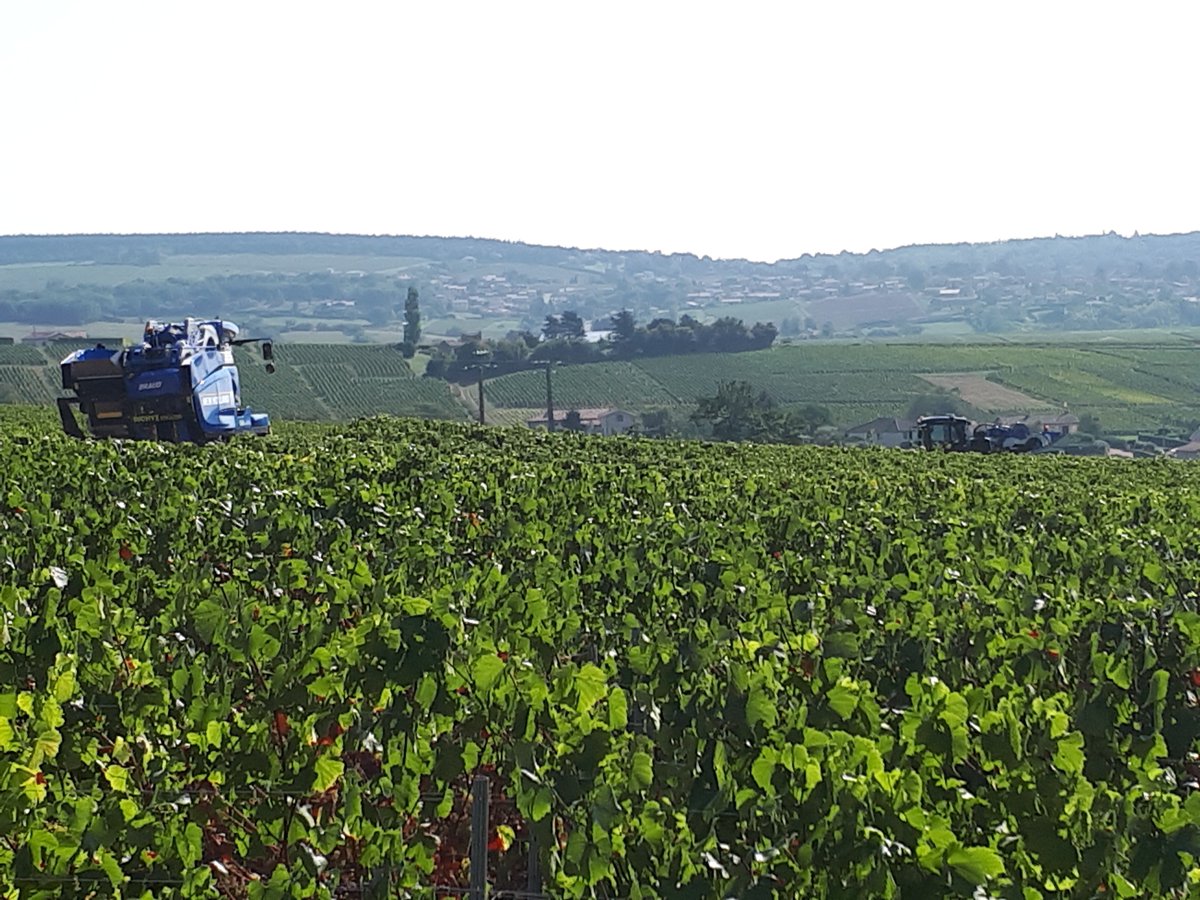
311,382
1127,386
274,668
984,393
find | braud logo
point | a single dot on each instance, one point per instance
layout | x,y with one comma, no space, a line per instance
149,385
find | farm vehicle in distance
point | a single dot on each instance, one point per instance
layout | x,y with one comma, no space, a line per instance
179,384
959,435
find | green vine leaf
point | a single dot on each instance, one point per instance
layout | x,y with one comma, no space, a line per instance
329,770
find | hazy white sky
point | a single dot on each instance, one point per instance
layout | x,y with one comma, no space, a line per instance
754,129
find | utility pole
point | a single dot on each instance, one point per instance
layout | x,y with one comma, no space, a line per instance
549,365
481,415
479,357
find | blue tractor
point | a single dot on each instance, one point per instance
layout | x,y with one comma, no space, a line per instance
957,434
179,384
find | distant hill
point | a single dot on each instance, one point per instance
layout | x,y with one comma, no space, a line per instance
1035,256
354,285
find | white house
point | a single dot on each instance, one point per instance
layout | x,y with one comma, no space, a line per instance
1063,423
602,420
887,432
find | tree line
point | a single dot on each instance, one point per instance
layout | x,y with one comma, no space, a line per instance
739,412
564,338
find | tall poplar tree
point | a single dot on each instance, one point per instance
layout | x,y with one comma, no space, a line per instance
412,318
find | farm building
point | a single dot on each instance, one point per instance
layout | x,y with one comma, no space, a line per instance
1190,450
887,432
42,337
1065,423
604,420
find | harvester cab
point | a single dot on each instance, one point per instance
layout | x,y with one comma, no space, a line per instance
945,432
179,384
959,435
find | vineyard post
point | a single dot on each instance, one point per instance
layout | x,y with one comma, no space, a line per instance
549,398
479,837
635,711
534,885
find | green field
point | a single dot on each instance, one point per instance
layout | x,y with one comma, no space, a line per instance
345,381
463,323
1128,386
620,384
130,330
275,667
311,382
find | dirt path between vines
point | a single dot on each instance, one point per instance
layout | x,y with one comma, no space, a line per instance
975,389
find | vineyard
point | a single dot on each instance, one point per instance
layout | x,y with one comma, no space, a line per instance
331,381
600,384
1128,387
310,383
272,668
